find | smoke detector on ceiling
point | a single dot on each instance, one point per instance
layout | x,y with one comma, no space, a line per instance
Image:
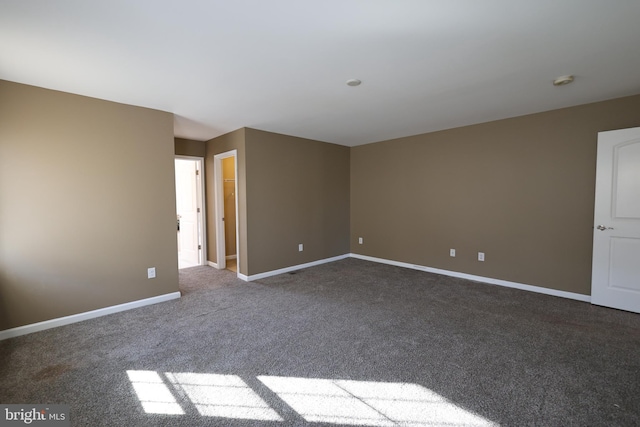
353,82
563,80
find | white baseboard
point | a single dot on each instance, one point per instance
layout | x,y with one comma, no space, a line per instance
240,276
53,323
499,282
293,268
61,321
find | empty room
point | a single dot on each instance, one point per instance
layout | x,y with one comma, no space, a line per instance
324,213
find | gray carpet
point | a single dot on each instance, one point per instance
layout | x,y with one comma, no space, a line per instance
456,353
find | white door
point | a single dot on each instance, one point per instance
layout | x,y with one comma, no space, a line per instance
187,212
616,232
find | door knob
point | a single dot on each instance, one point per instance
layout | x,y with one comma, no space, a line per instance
604,227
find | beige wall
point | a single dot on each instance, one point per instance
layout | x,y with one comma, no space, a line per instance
290,190
521,190
87,199
232,141
188,147
87,204
297,192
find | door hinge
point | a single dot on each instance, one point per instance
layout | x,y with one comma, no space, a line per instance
197,172
223,219
199,247
198,210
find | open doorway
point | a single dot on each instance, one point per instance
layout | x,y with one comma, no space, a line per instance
226,185
190,211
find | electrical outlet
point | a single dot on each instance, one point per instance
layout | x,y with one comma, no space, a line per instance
452,252
360,241
300,247
151,273
480,256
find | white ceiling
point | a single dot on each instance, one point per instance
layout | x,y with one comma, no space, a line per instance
281,65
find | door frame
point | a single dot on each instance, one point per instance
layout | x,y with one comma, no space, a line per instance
202,224
221,258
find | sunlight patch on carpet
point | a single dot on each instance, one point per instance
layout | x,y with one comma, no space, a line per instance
347,402
154,395
225,396
369,403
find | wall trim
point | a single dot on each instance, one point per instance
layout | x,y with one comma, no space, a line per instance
61,321
293,268
218,183
74,318
488,280
240,275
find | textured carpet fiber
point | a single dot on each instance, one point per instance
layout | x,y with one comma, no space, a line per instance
346,343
